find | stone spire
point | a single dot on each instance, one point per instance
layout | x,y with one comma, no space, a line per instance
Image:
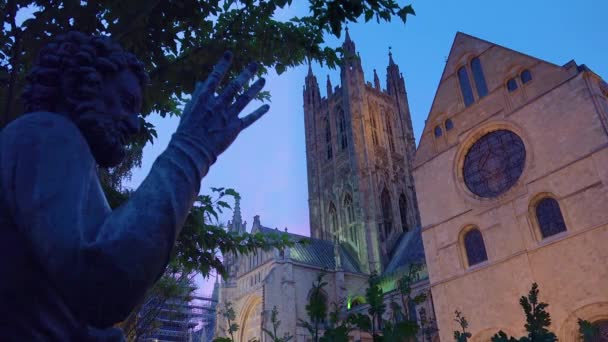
329,88
312,95
376,81
237,221
393,76
348,46
352,61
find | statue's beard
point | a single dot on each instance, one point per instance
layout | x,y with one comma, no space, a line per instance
104,135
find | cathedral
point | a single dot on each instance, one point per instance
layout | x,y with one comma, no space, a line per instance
506,188
363,210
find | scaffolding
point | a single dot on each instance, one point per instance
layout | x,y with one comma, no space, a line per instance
179,320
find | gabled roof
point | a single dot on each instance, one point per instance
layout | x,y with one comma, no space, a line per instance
462,51
318,253
410,250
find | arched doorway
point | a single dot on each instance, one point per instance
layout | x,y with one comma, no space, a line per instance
250,322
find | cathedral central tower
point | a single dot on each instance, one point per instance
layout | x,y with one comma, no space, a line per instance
359,150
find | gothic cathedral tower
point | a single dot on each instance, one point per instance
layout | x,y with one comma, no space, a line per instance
359,150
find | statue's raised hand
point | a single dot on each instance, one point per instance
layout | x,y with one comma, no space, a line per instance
215,120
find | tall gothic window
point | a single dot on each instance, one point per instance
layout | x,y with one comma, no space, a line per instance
465,87
549,216
342,129
403,212
348,206
374,128
480,80
389,131
387,213
333,220
328,139
474,246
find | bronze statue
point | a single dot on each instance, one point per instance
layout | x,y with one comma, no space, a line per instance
71,266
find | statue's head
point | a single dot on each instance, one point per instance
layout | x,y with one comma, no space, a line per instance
97,84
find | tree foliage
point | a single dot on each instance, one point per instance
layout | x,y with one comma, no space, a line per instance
276,323
400,327
538,320
461,335
179,41
228,313
589,332
316,308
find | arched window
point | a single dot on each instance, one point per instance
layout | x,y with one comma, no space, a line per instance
387,214
342,129
526,76
512,85
374,128
449,124
480,81
474,246
328,139
333,220
601,331
438,131
465,87
549,216
348,207
389,131
403,212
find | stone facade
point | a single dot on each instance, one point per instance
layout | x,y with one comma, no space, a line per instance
359,150
560,113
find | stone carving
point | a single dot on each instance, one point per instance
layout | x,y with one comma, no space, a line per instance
71,266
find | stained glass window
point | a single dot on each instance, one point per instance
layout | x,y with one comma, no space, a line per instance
550,219
526,76
474,246
601,332
403,212
449,124
328,139
494,163
512,85
480,81
387,213
465,87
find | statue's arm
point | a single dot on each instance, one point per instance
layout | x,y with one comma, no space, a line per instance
104,261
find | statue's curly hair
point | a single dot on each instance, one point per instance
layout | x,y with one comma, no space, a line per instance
78,61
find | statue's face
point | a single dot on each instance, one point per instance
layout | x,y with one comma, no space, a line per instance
109,123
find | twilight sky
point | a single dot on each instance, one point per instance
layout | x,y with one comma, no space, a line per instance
267,163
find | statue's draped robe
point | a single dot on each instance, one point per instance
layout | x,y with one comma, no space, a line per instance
70,263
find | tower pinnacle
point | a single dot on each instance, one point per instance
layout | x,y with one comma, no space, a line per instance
237,221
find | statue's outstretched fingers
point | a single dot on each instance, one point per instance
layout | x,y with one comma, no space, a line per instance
245,98
192,104
218,73
253,117
234,86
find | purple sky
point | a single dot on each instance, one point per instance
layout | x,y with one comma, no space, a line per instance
267,163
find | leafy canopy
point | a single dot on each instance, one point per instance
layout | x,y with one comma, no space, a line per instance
179,41
537,320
